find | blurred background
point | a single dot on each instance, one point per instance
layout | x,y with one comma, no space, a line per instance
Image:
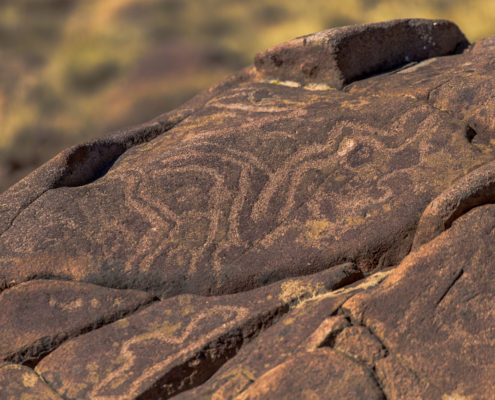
71,70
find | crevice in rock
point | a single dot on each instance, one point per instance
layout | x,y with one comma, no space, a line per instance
33,354
85,163
467,206
159,389
428,95
50,386
378,382
372,372
197,369
373,367
397,356
51,277
456,277
329,341
385,72
475,189
352,322
21,209
470,133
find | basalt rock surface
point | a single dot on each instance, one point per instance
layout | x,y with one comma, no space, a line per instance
297,231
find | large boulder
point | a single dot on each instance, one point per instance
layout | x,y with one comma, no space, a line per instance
327,210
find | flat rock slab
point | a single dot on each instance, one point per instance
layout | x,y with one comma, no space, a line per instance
38,315
20,382
173,344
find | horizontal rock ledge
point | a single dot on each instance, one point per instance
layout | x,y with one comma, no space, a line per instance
339,56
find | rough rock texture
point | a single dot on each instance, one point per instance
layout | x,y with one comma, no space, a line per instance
38,315
253,216
20,382
330,57
176,343
435,313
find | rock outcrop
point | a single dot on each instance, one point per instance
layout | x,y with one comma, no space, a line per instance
317,226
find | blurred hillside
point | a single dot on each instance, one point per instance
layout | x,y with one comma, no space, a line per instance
71,70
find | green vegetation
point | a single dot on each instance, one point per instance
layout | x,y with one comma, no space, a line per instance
74,69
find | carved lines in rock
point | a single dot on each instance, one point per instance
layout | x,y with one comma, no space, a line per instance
231,314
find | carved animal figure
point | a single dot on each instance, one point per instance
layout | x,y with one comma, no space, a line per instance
316,226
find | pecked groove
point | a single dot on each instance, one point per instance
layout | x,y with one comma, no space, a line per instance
77,166
84,163
54,311
46,345
186,339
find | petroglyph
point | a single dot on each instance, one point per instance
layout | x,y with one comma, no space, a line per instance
247,218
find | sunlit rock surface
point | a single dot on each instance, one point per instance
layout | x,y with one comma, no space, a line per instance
335,219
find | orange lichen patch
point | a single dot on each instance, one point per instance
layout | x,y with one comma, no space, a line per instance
386,207
55,311
315,228
355,104
353,220
29,380
20,382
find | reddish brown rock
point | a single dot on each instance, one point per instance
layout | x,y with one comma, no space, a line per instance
326,332
174,344
474,189
434,313
259,183
359,343
306,328
251,213
323,373
400,382
19,382
39,315
340,56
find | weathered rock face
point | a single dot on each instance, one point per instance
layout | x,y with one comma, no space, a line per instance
330,57
250,219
